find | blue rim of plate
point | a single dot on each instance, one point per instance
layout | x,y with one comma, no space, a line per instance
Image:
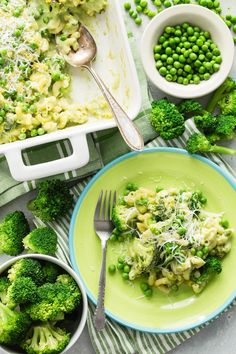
155,330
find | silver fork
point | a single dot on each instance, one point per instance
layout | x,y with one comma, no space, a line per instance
103,226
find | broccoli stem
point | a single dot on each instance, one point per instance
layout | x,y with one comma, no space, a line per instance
5,312
227,86
222,150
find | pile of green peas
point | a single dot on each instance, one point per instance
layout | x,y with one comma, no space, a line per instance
186,54
121,266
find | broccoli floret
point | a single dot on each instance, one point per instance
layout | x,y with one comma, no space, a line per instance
54,300
119,215
189,108
45,339
13,228
227,103
26,267
198,143
227,86
166,119
197,200
75,297
53,200
210,268
21,291
13,325
226,125
4,284
206,123
42,240
216,127
140,256
50,272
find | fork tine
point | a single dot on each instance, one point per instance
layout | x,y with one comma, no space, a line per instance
98,206
114,199
109,206
104,207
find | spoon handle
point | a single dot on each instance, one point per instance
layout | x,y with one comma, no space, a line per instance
127,128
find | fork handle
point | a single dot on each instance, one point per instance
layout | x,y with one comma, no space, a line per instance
99,318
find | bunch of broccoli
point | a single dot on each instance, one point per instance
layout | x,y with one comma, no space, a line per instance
211,267
35,299
15,236
169,119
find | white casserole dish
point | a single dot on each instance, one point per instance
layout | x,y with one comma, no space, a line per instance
115,64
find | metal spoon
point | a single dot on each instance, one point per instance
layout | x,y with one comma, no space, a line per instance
83,58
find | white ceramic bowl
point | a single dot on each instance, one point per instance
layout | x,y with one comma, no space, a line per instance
83,308
198,16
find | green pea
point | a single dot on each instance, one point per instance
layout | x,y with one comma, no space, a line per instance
148,292
169,29
157,48
234,28
157,56
193,56
22,136
207,76
233,20
144,286
193,251
228,23
17,33
121,259
143,3
190,30
175,56
205,250
131,12
126,269
41,131
169,77
159,64
56,76
164,57
157,3
187,68
182,231
224,223
180,80
120,266
134,15
63,37
138,21
201,57
216,67
182,59
218,60
177,65
173,71
199,254
125,276
17,12
185,81
127,6
170,61
112,268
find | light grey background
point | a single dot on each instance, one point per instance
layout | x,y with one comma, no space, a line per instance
218,337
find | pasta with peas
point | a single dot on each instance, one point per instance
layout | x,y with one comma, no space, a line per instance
169,238
34,80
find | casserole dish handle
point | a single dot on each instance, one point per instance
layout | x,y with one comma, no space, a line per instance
22,172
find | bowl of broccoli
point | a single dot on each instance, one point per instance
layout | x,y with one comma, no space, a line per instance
43,305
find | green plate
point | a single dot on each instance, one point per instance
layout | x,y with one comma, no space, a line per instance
165,167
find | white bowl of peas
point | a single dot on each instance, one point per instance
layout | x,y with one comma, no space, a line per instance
187,51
